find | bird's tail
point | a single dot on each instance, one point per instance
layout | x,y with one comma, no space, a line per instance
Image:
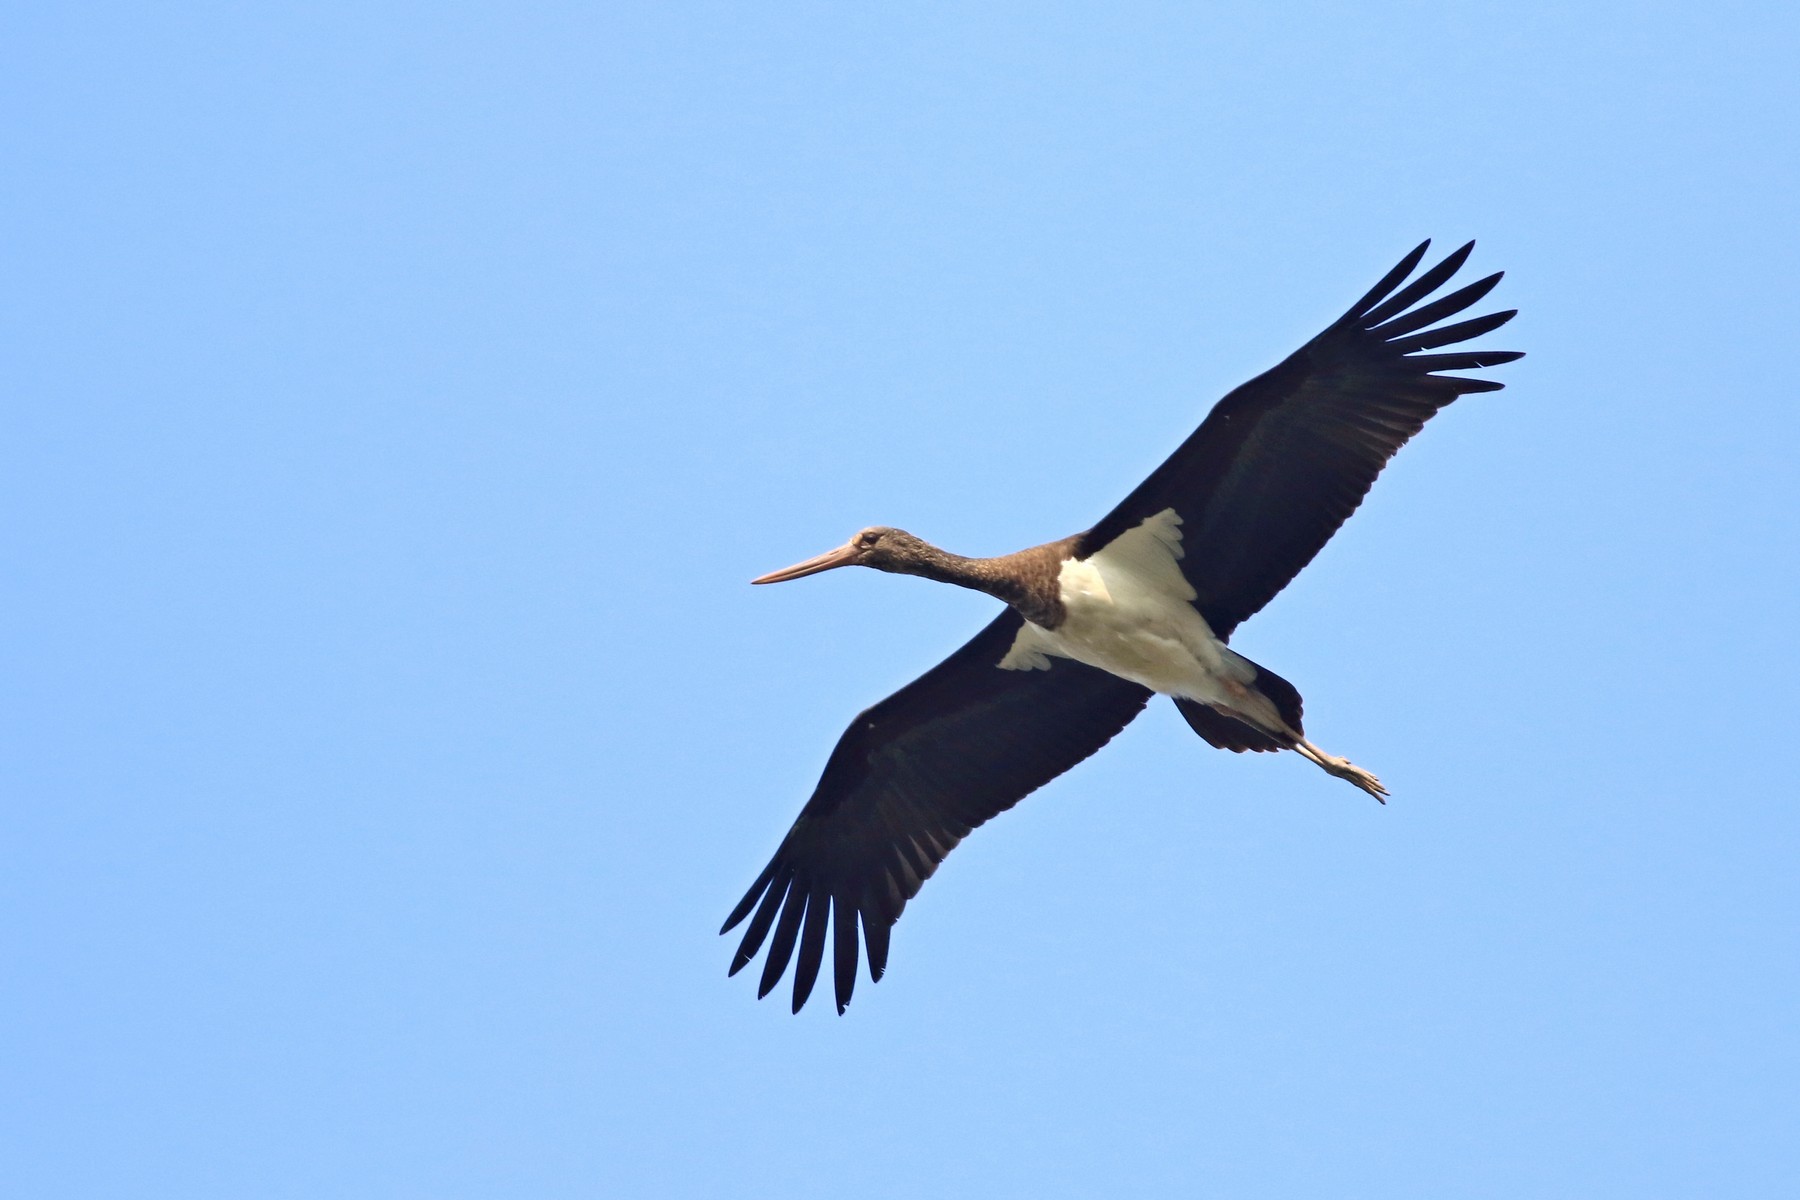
1229,732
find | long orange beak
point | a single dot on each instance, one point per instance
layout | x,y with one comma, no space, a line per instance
843,556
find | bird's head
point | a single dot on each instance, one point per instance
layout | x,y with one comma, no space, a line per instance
878,546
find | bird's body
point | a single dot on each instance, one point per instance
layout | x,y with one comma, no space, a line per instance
1128,610
1142,603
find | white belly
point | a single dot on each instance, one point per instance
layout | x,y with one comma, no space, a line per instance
1130,611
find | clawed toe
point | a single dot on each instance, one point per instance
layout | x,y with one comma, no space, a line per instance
1363,780
1343,768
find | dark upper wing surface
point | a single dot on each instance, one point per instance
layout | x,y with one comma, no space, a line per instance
908,780
1282,461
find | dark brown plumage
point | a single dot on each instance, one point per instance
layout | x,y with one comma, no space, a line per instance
1285,459
1259,488
908,781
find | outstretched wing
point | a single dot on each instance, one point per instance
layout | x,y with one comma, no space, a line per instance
908,781
1282,461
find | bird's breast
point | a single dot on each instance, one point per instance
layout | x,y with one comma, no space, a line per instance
1128,609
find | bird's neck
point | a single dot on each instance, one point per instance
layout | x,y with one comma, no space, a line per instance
945,567
1026,580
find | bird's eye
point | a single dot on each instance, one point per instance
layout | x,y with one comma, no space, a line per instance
868,539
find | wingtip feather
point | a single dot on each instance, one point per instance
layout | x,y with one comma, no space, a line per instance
787,931
812,949
1400,323
1448,335
876,932
1418,289
758,929
749,901
1393,279
843,951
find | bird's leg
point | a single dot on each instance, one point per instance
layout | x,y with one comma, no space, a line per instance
1259,711
1343,768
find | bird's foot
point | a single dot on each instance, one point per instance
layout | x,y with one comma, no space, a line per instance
1343,768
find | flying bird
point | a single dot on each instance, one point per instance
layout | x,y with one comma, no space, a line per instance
1142,603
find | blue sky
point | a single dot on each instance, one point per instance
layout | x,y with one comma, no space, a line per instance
401,398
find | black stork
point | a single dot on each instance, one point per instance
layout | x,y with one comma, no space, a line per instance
1143,602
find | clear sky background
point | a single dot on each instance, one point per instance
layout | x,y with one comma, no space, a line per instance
398,398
